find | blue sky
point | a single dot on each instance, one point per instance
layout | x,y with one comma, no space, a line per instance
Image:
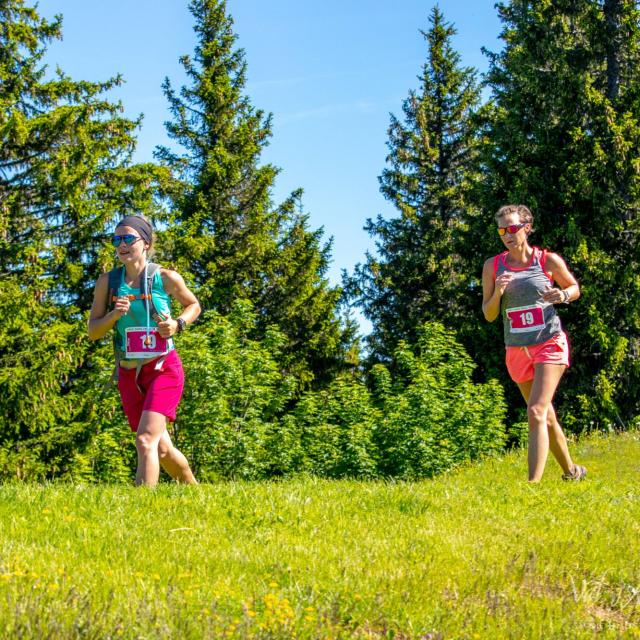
330,72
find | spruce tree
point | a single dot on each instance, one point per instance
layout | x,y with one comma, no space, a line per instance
564,138
64,175
229,233
64,178
418,273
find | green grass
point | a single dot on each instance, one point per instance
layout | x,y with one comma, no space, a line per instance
478,553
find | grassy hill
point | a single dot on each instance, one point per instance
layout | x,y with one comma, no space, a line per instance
478,553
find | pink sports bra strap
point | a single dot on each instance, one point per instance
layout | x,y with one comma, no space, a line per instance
496,262
542,259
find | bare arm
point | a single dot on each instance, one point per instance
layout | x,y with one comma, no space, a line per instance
569,289
492,290
101,321
175,286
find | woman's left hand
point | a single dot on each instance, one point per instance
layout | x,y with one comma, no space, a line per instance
168,327
553,295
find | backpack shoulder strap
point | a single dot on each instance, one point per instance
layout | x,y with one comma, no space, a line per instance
152,269
115,278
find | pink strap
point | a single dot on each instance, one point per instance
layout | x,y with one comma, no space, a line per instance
542,258
496,261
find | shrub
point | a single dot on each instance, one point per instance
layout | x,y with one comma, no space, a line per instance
336,428
433,416
233,396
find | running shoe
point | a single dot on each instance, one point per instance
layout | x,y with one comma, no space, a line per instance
577,473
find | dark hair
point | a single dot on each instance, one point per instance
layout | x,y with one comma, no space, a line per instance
141,225
522,210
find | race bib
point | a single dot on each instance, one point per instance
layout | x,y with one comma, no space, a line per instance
143,344
524,319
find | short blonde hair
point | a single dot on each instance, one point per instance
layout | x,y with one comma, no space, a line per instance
522,210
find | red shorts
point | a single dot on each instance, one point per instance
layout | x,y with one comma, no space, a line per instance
521,360
156,389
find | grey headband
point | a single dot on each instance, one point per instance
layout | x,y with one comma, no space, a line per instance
142,226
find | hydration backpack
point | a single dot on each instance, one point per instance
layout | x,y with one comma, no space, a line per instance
115,278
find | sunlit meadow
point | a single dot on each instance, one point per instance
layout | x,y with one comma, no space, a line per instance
477,553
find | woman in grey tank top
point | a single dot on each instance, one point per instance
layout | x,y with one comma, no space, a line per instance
517,285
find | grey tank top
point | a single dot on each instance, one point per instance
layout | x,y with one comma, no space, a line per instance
526,318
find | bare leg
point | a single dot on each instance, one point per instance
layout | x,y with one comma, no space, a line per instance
557,440
150,429
173,461
541,392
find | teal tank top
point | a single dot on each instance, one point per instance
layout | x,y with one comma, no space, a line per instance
137,316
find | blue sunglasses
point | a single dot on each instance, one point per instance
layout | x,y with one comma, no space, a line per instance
128,239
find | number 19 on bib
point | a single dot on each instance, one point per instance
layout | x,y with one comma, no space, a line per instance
525,319
145,343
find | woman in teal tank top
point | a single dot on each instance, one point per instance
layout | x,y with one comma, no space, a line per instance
517,284
150,376
136,315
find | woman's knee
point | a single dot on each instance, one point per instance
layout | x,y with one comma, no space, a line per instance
146,442
164,450
538,412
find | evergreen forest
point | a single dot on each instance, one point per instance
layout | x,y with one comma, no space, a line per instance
279,380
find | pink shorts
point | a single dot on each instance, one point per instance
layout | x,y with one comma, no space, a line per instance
156,389
521,361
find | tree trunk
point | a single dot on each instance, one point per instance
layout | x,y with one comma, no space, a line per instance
612,10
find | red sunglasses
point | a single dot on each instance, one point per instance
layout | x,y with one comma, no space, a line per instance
512,229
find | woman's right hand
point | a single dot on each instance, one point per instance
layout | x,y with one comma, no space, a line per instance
122,305
502,281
